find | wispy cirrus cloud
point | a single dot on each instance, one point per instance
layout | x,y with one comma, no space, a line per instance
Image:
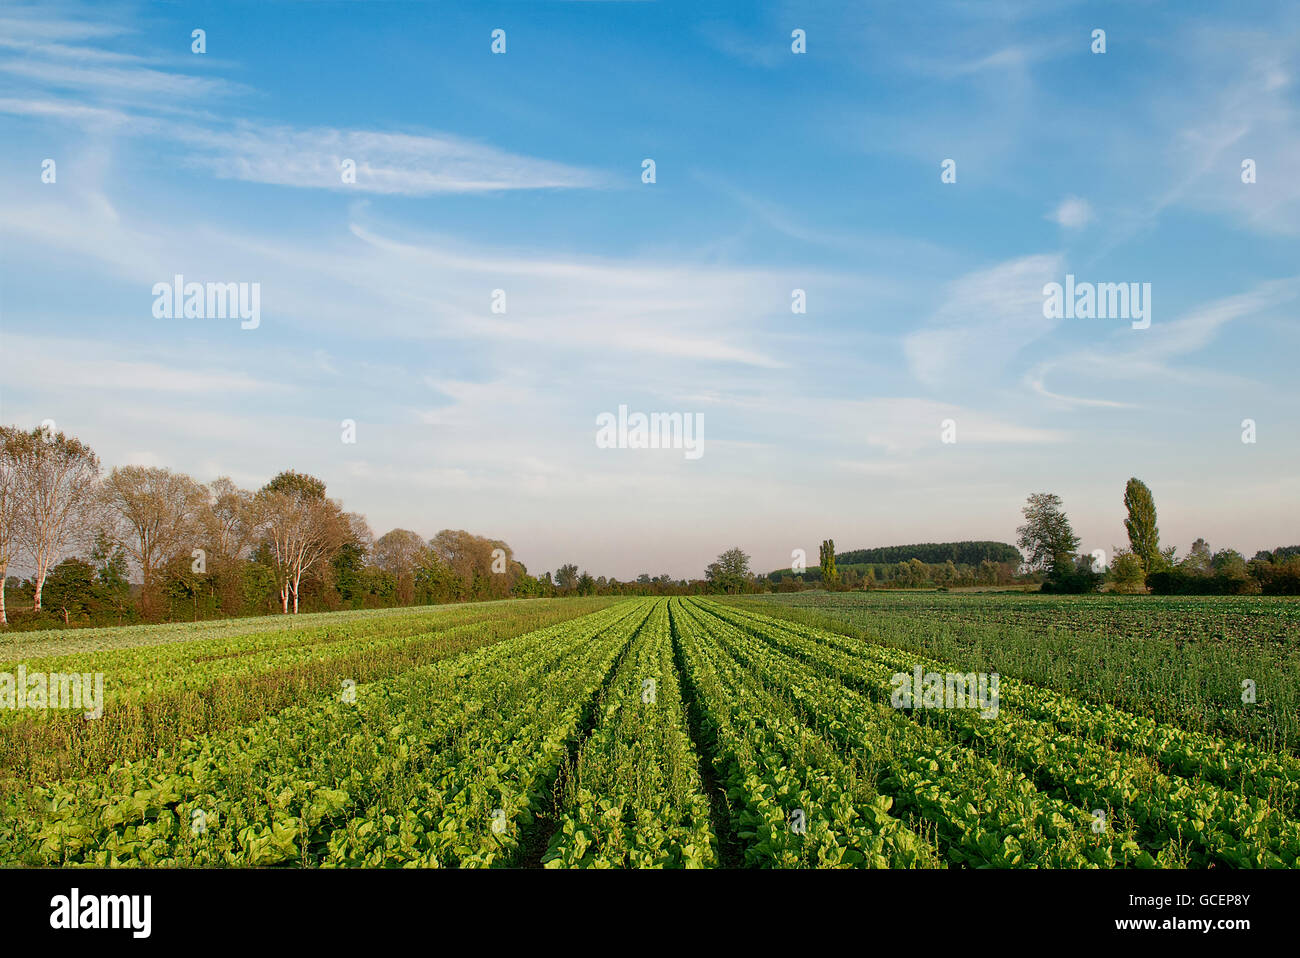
66,110
120,83
385,163
398,164
1014,58
85,365
58,73
986,318
48,53
907,425
67,51
1149,358
28,24
423,288
591,304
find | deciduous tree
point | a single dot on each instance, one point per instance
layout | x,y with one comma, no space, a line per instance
231,526
230,520
400,553
566,577
830,577
303,528
1126,572
1143,536
56,483
10,511
156,515
730,571
1200,560
1046,539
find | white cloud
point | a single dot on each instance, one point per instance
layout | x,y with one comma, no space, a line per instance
985,319
1013,59
1072,213
768,52
396,164
386,163
50,29
142,84
124,90
429,288
65,110
904,426
78,365
77,52
1146,358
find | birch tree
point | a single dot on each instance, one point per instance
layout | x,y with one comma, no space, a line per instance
10,513
56,478
303,528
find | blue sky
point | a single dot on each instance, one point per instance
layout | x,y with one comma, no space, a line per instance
775,171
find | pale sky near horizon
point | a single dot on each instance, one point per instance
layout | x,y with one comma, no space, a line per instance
776,171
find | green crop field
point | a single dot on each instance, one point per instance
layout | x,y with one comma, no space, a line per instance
755,732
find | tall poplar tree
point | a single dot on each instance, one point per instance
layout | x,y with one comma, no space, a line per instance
830,577
1143,536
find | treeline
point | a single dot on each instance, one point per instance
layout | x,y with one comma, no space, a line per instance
146,544
967,553
925,565
1145,565
1046,552
1226,572
909,574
